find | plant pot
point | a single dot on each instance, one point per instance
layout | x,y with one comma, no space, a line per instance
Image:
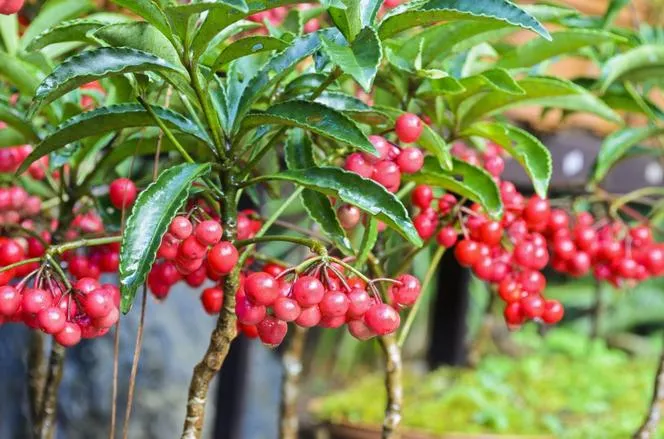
357,431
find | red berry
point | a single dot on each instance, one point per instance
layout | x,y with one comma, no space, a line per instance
408,127
334,304
69,336
483,268
248,313
532,306
308,291
349,216
382,147
447,237
212,300
408,291
51,320
272,331
467,252
223,257
356,163
425,225
422,196
35,300
553,312
107,321
494,165
208,232
532,281
387,173
509,290
261,288
514,316
360,330
10,300
359,303
286,309
97,303
122,193
537,211
309,317
191,249
382,319
491,232
410,160
181,228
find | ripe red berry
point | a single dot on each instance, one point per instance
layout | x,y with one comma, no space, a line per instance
122,193
334,304
532,306
51,320
382,147
272,331
447,237
223,257
425,225
286,309
408,127
349,216
537,211
494,165
467,252
248,313
360,330
261,288
308,291
309,317
422,196
97,303
107,321
181,228
10,300
514,316
356,163
509,290
410,160
208,232
491,232
408,291
35,300
387,173
359,303
191,249
212,300
69,336
382,319
553,312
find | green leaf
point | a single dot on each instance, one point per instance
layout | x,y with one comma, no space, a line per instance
93,65
106,119
315,117
521,145
361,59
52,13
358,191
544,91
223,14
278,66
9,33
443,10
617,145
150,12
353,15
248,46
150,217
465,180
429,140
353,108
299,155
20,74
368,242
500,79
16,120
565,42
74,30
11,137
643,62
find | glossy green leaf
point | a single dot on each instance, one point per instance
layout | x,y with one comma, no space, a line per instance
314,117
429,140
278,66
54,12
565,42
150,217
501,80
443,10
353,15
369,240
360,60
358,191
522,146
544,91
648,59
299,155
617,145
150,12
223,14
93,65
182,16
465,180
74,30
15,119
353,108
248,46
106,119
140,36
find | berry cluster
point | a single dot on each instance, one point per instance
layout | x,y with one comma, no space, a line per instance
88,310
12,157
268,300
16,205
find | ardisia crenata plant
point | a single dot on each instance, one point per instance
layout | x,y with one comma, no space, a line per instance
129,142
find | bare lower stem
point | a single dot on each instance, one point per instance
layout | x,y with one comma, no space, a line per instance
292,362
116,373
649,427
36,374
393,385
46,424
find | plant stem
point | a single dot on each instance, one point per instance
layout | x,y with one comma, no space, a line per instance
46,424
36,374
433,268
292,363
314,245
649,427
393,385
19,264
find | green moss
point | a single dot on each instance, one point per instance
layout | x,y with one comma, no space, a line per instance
568,387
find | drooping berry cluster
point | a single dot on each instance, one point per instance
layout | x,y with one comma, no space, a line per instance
270,299
88,310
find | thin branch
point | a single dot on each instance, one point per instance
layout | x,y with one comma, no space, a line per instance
393,385
649,428
49,407
292,364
